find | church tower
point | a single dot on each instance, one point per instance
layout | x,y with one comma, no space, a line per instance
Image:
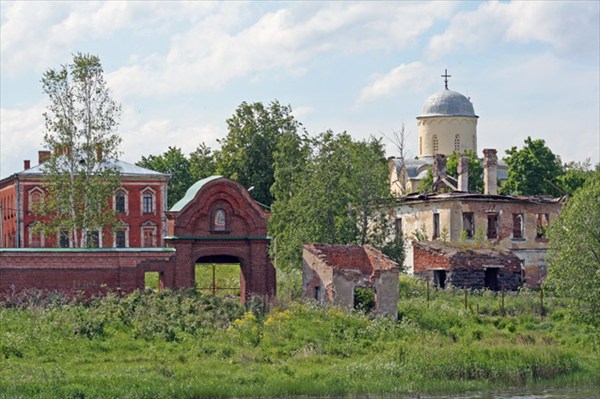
447,123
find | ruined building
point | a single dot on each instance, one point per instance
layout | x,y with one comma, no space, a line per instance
333,273
514,223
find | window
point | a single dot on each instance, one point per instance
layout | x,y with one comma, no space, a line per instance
457,142
542,225
147,203
120,241
439,279
317,293
492,227
35,198
518,226
469,224
436,226
219,221
149,234
64,239
436,144
120,202
93,239
36,239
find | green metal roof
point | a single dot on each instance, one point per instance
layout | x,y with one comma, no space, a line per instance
191,193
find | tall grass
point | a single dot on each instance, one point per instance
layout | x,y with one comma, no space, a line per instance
188,345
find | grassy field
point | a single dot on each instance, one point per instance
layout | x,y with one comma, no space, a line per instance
190,345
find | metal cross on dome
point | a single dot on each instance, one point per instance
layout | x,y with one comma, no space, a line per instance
446,76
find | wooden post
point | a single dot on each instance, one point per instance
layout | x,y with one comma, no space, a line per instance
214,281
466,301
427,292
542,303
502,300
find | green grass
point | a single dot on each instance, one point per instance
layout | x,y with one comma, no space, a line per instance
188,345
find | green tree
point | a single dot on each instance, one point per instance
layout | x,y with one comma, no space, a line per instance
246,154
475,169
175,163
532,170
81,175
575,175
330,189
202,162
574,251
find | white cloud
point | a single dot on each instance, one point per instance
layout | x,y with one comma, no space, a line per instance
405,76
21,136
566,27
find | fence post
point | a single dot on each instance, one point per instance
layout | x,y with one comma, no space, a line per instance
427,279
465,288
542,303
502,300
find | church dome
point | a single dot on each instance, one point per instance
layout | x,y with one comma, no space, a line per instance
447,103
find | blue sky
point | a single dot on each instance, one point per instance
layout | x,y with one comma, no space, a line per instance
180,69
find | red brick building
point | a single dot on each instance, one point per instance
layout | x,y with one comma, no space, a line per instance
140,203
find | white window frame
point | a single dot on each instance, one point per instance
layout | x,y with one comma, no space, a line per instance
152,192
36,189
149,225
124,228
125,192
30,236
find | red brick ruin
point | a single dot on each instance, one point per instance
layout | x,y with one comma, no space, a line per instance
216,222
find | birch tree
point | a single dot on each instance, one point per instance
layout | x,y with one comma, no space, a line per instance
80,131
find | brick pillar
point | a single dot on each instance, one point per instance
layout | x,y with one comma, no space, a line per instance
490,171
463,173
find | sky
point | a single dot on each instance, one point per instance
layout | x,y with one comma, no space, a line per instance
180,69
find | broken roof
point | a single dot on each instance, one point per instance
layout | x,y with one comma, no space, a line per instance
365,258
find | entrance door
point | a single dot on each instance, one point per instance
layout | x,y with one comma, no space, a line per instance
491,278
218,275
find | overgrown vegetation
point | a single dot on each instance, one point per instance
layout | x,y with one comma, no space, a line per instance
186,345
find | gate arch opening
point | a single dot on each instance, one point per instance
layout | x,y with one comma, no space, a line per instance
219,275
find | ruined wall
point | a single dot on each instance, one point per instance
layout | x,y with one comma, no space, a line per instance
468,268
91,271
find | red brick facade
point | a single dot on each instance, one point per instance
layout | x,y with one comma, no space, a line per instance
142,225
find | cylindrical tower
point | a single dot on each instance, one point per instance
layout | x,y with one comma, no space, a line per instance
447,123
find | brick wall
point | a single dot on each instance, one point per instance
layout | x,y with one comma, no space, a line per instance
89,271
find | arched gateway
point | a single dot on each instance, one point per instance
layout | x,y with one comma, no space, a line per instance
217,219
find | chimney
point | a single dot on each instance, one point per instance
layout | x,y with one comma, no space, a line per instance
463,173
43,156
26,164
490,172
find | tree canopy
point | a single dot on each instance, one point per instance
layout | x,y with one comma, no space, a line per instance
574,252
81,176
246,153
330,189
532,170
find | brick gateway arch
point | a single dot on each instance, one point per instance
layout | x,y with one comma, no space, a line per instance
217,219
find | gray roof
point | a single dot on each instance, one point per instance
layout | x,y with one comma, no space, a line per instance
447,103
126,169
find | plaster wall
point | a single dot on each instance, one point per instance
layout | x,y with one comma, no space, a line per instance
446,128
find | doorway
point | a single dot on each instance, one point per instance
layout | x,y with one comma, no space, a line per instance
491,278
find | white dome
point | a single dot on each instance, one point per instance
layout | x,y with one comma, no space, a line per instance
447,103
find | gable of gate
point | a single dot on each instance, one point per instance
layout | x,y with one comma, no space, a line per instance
217,207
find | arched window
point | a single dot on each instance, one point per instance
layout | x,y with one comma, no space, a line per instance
120,202
457,142
148,200
436,144
35,198
219,220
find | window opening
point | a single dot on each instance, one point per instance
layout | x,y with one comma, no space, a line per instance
542,225
492,227
399,232
120,202
120,239
153,280
517,226
435,144
457,142
147,203
469,224
317,293
364,299
64,240
436,226
93,239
